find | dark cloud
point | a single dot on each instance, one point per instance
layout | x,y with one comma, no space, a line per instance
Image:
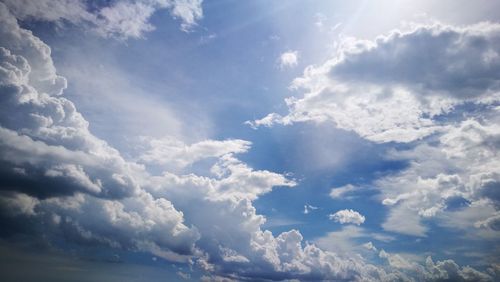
443,60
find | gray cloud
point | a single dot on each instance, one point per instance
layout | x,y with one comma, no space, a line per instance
432,60
394,88
54,170
58,179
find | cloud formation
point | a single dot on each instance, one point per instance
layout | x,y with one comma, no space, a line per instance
395,87
456,173
289,59
171,152
437,86
120,19
347,216
61,181
55,170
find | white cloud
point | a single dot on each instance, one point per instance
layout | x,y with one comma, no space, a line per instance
171,152
308,208
342,241
340,192
121,19
131,19
405,221
391,89
453,175
73,11
370,246
68,173
348,216
320,20
492,222
91,194
289,59
445,270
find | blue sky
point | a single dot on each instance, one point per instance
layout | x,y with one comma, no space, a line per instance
172,140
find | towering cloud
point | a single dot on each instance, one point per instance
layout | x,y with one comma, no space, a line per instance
61,182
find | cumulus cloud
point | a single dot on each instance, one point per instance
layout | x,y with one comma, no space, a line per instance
61,181
54,169
393,88
347,216
289,59
75,186
434,81
457,173
121,19
235,244
445,270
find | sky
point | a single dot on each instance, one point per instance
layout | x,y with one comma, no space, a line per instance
190,140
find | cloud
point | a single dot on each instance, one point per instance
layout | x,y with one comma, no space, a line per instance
454,174
234,241
59,181
74,11
173,153
405,221
394,88
347,216
340,192
308,208
73,185
55,170
121,19
445,270
289,59
492,222
343,241
370,246
126,19
434,85
396,266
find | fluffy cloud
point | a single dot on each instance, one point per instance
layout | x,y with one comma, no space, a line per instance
121,19
347,216
233,241
171,152
55,170
60,181
446,270
457,172
439,82
393,88
289,59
